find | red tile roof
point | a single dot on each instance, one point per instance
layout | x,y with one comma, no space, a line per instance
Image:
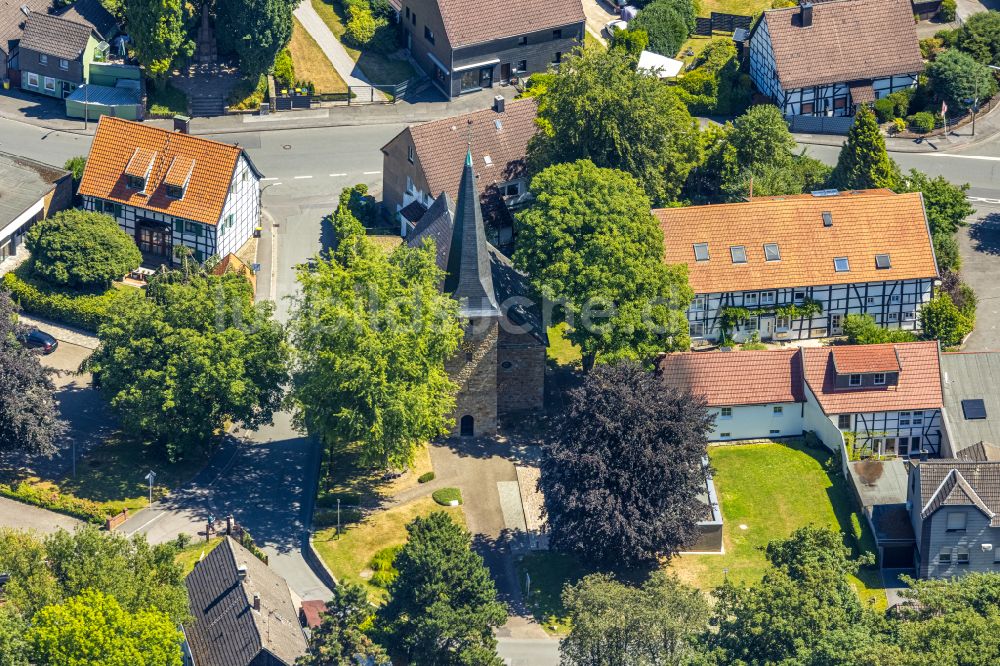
122,145
736,378
919,384
312,612
848,40
853,359
864,224
440,146
474,21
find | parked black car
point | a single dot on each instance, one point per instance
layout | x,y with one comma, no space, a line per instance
36,339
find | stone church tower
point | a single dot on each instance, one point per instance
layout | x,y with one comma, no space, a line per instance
469,280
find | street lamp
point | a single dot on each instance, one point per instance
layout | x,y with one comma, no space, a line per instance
975,101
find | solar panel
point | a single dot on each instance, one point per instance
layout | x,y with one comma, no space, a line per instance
974,409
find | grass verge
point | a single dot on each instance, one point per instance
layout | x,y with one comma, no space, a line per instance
561,350
311,63
349,555
549,572
343,477
191,554
168,101
380,69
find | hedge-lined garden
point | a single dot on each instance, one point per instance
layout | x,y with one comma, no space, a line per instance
85,310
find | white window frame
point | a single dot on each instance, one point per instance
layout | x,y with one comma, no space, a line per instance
49,80
699,303
776,252
767,298
944,557
736,251
799,296
697,247
782,323
751,299
870,300
63,64
894,298
32,79
851,379
43,59
696,329
918,417
909,315
841,265
893,316
879,379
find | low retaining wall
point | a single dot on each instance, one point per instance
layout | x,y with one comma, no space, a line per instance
318,566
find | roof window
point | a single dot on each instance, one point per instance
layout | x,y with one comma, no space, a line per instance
841,265
738,253
882,261
772,252
701,251
827,218
973,409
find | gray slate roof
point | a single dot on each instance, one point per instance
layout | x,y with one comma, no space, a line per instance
92,13
969,376
12,19
468,276
105,95
58,37
22,183
226,631
959,483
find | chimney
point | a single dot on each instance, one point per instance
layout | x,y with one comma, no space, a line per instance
182,124
923,455
499,103
256,602
241,573
805,14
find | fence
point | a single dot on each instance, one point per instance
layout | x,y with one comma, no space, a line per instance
820,124
704,27
362,94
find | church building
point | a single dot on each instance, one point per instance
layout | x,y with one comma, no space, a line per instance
500,365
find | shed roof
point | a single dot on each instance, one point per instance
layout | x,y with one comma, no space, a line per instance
23,182
848,39
727,379
919,385
95,95
861,225
226,630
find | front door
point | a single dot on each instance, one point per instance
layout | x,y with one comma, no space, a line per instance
835,324
153,239
486,77
67,89
766,328
505,72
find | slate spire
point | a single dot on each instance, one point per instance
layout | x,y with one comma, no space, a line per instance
469,277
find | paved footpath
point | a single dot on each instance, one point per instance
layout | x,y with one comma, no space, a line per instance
27,517
334,50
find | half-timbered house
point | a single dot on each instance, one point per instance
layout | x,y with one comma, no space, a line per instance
824,60
793,267
170,189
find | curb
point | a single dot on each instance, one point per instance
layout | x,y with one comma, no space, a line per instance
316,563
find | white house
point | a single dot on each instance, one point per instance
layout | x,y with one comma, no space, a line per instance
792,267
168,189
824,60
885,399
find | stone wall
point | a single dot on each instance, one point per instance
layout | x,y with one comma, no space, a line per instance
521,373
474,370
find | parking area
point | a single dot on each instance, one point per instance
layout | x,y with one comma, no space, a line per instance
598,13
979,244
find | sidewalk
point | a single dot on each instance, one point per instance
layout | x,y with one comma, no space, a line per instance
334,50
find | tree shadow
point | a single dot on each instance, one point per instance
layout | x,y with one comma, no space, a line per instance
985,234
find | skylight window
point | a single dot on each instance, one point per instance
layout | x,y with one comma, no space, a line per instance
701,251
827,219
771,252
739,254
841,265
488,160
882,261
974,409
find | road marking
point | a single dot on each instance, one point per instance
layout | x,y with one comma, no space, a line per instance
271,178
372,173
302,177
337,175
148,523
967,157
984,200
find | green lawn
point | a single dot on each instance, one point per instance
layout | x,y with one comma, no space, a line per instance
561,350
549,572
744,7
380,69
349,555
311,64
767,491
192,553
166,102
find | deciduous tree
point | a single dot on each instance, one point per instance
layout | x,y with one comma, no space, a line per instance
340,639
372,333
863,162
14,647
957,77
442,608
92,628
942,321
622,468
590,244
656,624
946,204
979,36
29,416
158,34
598,107
255,30
81,249
668,23
196,354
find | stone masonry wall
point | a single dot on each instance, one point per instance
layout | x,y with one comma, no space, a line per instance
521,373
474,369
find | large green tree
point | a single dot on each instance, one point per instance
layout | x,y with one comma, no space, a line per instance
158,34
941,320
372,333
598,107
656,624
194,355
14,647
47,570
863,162
255,30
93,628
622,468
442,608
341,640
81,249
946,204
29,417
957,78
668,24
979,36
590,245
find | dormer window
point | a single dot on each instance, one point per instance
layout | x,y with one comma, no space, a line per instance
139,166
135,182
175,191
178,175
855,380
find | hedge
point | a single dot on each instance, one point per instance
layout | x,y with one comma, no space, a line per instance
425,477
53,500
445,496
82,310
346,499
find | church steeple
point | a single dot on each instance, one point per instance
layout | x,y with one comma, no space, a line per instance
469,277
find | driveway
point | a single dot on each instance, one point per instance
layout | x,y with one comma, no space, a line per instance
598,13
980,251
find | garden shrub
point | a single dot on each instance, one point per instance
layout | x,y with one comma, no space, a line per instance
884,110
898,125
900,102
856,529
930,47
921,121
81,249
65,306
947,11
284,69
53,500
425,477
247,94
445,496
383,570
